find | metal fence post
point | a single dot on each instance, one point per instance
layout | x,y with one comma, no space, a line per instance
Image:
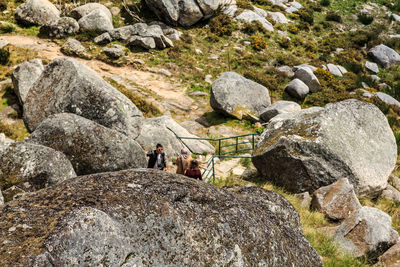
213,170
237,140
253,142
219,147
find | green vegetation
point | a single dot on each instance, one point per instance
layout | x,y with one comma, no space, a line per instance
7,28
141,103
4,56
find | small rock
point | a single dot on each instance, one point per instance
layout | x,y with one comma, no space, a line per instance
251,16
212,56
37,12
278,17
305,199
279,108
387,99
365,85
334,70
312,68
391,193
384,56
208,78
198,51
103,39
115,11
24,76
286,70
139,61
198,94
394,180
337,201
73,47
65,26
114,52
375,78
367,232
371,66
97,21
391,258
307,76
246,43
297,89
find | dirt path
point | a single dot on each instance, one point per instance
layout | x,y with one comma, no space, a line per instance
158,84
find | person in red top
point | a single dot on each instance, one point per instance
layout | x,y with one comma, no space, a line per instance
194,171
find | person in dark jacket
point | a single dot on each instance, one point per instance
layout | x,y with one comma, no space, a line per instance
157,159
194,170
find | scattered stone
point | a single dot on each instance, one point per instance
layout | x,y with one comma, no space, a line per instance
1,199
64,27
208,79
236,96
198,51
396,17
278,17
160,71
371,66
384,56
375,78
319,146
307,76
391,193
336,201
334,70
96,21
293,7
3,43
279,108
366,93
251,16
286,70
174,13
114,52
297,89
305,199
312,68
115,11
394,180
177,105
342,69
67,85
391,258
73,47
367,232
144,42
165,130
103,39
37,12
214,57
32,167
387,99
84,10
139,61
246,43
24,76
106,150
159,220
260,12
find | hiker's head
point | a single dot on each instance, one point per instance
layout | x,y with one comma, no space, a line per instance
194,164
184,151
159,148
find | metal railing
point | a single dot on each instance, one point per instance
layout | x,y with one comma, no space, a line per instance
240,144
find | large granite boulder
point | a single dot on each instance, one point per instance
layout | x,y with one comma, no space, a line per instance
236,96
307,76
32,167
269,200
187,12
297,89
315,147
67,85
24,76
165,131
279,108
337,201
90,147
367,232
384,56
64,27
142,217
84,10
96,21
251,16
37,12
142,35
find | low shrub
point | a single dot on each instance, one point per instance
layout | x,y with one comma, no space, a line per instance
222,25
293,29
258,43
4,56
284,42
245,4
306,15
325,3
3,5
269,78
7,28
352,60
304,26
253,27
365,19
333,16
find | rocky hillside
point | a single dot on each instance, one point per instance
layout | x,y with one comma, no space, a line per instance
87,88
